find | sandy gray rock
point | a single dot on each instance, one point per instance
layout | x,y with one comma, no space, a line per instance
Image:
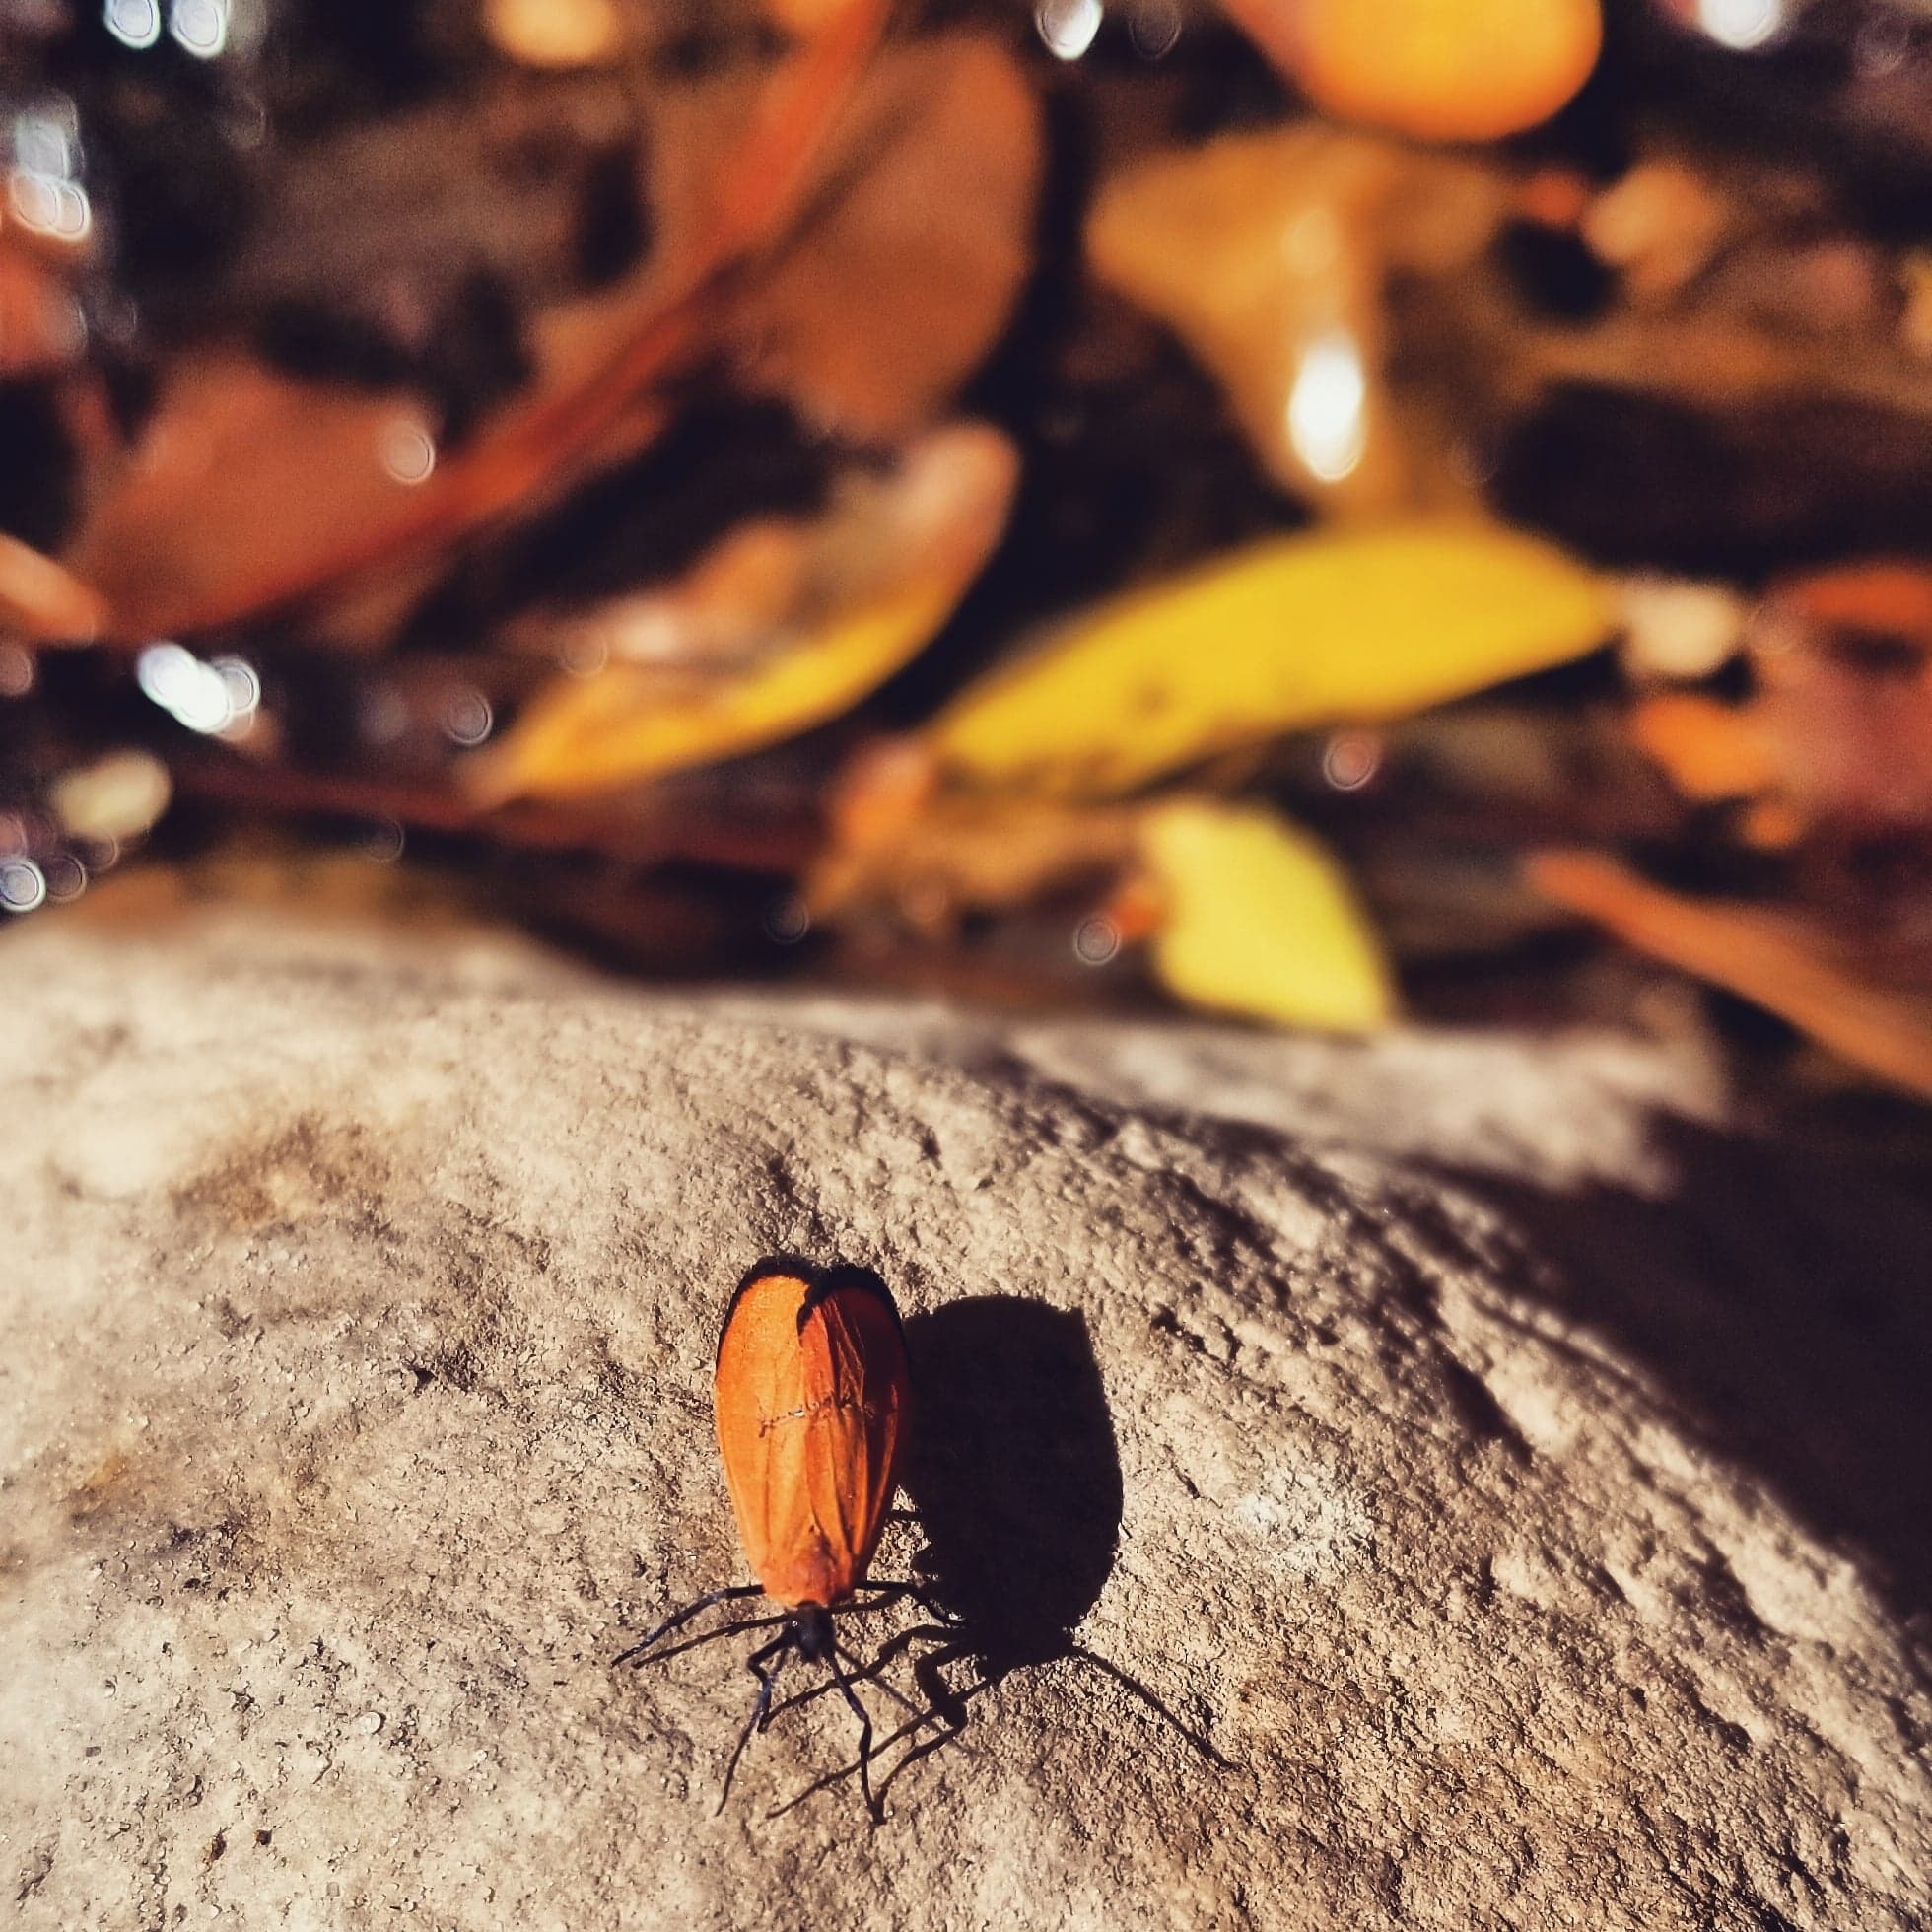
1460,1440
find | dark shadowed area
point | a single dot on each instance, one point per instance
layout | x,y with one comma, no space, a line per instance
1014,1472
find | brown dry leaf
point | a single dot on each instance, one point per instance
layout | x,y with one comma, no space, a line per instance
1266,252
591,406
242,473
41,603
1795,971
890,563
40,325
899,282
931,857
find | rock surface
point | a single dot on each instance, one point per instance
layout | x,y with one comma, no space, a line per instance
1505,1491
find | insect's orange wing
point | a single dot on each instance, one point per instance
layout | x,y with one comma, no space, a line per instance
813,1399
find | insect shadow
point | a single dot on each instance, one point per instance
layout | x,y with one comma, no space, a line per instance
1015,1479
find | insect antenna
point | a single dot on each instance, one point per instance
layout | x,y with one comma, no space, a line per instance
684,1615
736,1630
780,1647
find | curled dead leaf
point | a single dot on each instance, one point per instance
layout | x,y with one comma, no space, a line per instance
602,363
890,565
244,473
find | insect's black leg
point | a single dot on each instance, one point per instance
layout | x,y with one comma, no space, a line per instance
684,1615
777,1650
864,1736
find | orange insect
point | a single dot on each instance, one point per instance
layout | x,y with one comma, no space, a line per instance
813,1399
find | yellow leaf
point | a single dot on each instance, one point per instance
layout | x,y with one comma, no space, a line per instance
1260,920
635,722
614,728
1331,628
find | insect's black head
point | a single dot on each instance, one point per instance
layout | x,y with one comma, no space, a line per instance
813,1623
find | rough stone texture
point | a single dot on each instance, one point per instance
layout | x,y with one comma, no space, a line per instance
1516,1480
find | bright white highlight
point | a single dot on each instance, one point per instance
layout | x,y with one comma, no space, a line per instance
407,451
201,26
1742,23
23,886
216,699
1328,422
1068,26
133,23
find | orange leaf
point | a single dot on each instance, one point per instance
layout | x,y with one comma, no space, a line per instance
1764,958
43,603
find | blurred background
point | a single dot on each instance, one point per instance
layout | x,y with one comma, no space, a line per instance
1319,511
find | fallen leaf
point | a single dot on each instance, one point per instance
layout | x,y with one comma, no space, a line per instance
1266,252
43,604
1441,70
1257,918
1708,750
242,473
931,858
897,286
928,530
1793,971
598,368
1331,628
